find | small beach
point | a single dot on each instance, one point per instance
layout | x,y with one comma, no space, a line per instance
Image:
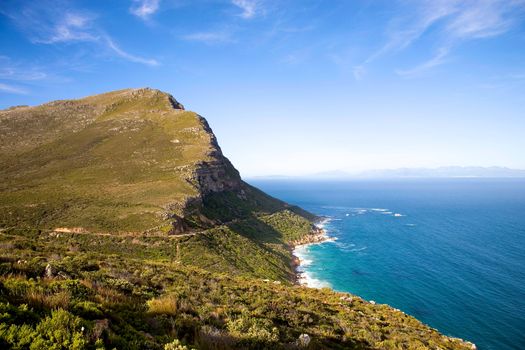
302,261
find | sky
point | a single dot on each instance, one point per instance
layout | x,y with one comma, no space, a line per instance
293,87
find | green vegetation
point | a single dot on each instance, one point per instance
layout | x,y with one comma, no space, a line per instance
111,163
122,226
131,293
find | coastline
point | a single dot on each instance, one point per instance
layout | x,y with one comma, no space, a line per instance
298,249
302,278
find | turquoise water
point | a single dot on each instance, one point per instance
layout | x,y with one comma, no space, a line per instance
453,256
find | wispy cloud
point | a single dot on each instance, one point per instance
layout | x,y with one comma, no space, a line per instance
12,89
403,31
57,23
144,8
10,73
358,72
51,24
14,73
483,18
455,21
249,7
132,58
212,37
438,59
517,76
17,72
71,27
504,81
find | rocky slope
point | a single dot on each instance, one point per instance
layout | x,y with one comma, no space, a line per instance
122,225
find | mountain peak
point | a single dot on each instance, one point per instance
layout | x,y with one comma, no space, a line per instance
142,97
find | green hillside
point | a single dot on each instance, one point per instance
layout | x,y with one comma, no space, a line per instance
125,161
122,225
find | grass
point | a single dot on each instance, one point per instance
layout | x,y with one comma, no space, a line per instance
109,163
165,305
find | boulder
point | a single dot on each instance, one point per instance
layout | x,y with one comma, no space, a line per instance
49,271
304,340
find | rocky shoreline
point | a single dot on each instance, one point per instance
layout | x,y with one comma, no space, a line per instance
317,236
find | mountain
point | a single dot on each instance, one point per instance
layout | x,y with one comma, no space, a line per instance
125,161
122,225
440,172
450,172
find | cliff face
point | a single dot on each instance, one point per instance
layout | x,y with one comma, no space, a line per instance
217,174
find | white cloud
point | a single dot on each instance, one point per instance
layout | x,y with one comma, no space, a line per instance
12,89
132,58
248,7
70,27
144,8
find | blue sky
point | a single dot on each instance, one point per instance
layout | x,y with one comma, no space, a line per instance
294,86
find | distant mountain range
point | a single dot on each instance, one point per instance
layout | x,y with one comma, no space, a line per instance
440,172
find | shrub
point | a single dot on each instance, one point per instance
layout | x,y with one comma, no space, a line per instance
210,337
166,305
251,328
88,309
16,337
61,330
176,345
46,300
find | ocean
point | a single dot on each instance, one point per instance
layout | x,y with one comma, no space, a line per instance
450,252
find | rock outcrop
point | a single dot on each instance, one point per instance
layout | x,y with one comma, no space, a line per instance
218,174
317,235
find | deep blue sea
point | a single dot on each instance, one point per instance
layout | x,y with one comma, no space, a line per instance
450,252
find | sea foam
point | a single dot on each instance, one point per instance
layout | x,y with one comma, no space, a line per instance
306,279
301,252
